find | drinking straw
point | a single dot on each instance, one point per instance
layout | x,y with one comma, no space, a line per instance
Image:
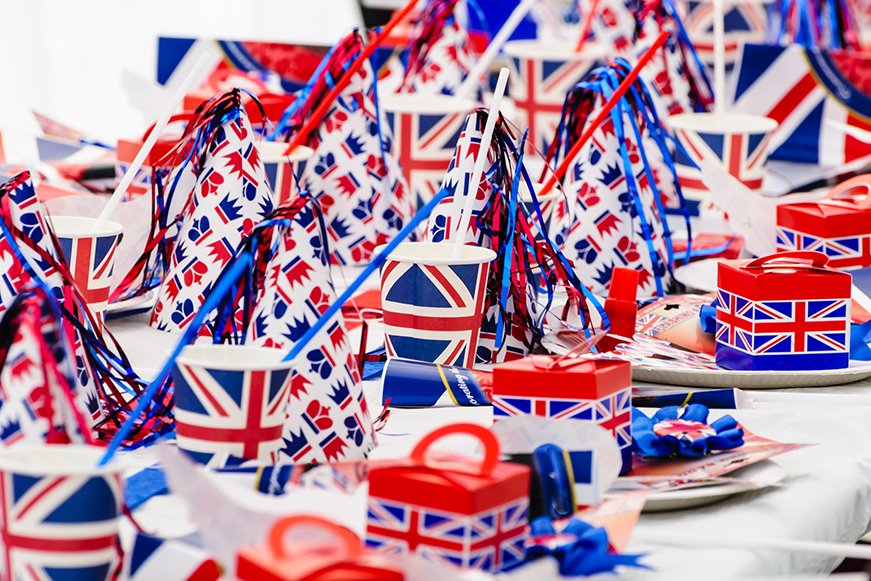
376,263
719,62
478,170
327,101
149,143
588,21
467,88
603,114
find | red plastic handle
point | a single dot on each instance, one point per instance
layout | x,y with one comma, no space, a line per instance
485,436
221,75
350,546
863,181
177,117
794,259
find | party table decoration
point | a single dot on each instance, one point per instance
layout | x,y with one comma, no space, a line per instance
838,225
129,148
815,23
787,311
169,560
592,390
667,434
417,383
457,512
680,320
354,173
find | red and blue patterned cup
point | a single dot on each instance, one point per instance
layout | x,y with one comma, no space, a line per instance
230,400
283,171
737,142
425,131
433,303
90,257
60,513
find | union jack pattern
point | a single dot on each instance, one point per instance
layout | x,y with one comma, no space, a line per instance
743,23
90,261
490,540
60,527
849,252
141,183
801,334
230,197
169,560
648,351
283,176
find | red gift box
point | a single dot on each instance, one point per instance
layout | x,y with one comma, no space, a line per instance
314,562
467,515
786,311
160,154
839,226
273,104
593,390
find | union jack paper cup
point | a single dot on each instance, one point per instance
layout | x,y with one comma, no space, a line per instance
425,132
90,256
60,513
541,75
230,401
432,303
739,143
283,171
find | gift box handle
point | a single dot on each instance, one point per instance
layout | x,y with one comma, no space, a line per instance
221,75
794,259
863,181
485,436
173,119
351,545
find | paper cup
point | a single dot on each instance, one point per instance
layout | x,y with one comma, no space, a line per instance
60,513
283,171
432,303
90,256
230,401
425,133
541,75
739,143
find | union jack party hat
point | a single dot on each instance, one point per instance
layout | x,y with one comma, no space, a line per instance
616,184
512,323
231,195
354,174
440,52
287,289
38,402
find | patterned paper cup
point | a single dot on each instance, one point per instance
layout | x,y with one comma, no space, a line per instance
230,401
60,513
283,171
432,303
425,131
541,75
739,143
90,256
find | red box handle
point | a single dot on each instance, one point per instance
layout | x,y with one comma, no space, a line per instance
485,436
173,119
863,181
794,259
350,547
219,76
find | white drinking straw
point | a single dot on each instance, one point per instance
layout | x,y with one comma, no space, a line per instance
149,143
719,61
468,87
862,135
708,541
478,170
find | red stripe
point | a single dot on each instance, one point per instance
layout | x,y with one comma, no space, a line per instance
424,323
208,395
54,545
45,491
439,276
436,134
792,99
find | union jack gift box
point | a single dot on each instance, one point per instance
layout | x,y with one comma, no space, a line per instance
591,390
456,513
839,226
785,311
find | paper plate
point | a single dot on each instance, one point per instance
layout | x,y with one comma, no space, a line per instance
752,379
132,305
700,275
758,476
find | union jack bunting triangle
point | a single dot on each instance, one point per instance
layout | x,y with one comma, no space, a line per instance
59,527
354,173
489,540
230,197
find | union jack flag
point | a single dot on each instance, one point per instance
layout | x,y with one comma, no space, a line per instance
489,540
648,324
844,253
90,261
282,176
59,527
810,334
141,183
219,413
433,313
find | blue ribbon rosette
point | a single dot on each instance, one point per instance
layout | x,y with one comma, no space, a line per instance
666,434
580,548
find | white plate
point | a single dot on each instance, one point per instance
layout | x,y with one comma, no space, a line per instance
752,379
144,301
759,476
700,275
